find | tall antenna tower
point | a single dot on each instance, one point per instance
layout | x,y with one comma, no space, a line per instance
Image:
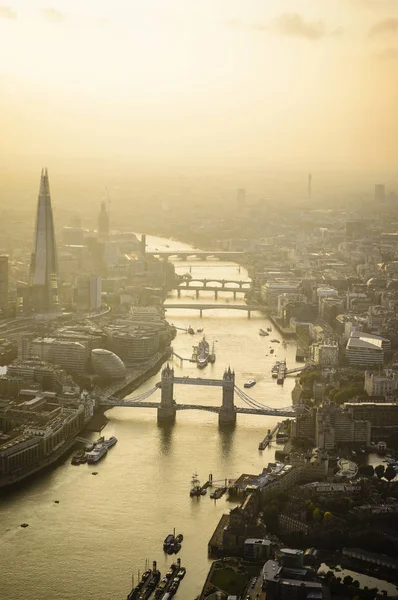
309,186
109,203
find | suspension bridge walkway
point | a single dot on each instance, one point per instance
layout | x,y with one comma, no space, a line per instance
167,407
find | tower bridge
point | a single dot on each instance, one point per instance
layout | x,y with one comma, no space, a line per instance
168,407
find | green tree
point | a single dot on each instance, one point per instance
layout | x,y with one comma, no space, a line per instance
348,580
317,515
390,473
379,470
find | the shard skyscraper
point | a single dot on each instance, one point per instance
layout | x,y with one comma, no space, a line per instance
43,265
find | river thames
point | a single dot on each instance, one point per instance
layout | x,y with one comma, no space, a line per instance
105,527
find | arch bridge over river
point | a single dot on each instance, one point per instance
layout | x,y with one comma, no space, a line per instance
167,407
215,285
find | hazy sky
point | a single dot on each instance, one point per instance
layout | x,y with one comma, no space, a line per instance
217,82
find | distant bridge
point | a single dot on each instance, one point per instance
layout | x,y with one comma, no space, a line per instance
215,285
199,254
249,308
167,407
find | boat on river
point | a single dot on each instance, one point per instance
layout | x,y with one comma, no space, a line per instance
203,353
196,488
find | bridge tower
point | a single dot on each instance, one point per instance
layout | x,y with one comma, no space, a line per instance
227,414
167,408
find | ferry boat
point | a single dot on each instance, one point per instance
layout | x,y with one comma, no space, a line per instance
263,333
249,383
203,353
199,330
95,455
190,330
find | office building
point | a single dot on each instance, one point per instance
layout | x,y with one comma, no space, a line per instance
366,349
271,291
43,277
3,280
325,354
331,426
103,222
88,292
69,355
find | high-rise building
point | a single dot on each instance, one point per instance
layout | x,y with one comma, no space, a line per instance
3,280
88,292
380,192
43,277
103,222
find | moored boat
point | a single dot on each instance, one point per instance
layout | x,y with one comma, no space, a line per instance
111,442
95,455
196,488
203,353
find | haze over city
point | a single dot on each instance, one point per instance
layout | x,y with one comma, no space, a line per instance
199,299
210,86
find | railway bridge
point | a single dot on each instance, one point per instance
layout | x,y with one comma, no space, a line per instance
214,285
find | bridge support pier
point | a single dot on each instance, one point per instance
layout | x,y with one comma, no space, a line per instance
166,415
201,313
197,294
249,314
234,295
178,293
215,294
227,414
167,408
226,417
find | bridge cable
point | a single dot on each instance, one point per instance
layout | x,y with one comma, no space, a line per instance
139,398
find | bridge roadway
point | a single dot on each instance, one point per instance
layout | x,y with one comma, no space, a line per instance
214,409
202,254
200,307
238,282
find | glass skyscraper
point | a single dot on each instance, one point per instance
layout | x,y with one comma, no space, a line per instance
43,265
